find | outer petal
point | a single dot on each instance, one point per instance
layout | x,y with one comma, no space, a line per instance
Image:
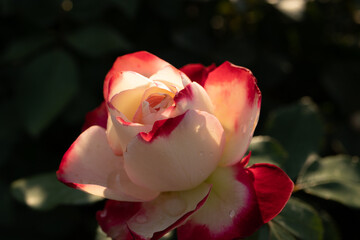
114,217
236,98
178,154
273,188
142,62
151,220
193,96
91,166
240,202
197,72
98,116
168,211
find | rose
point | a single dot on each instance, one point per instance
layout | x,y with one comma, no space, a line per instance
167,151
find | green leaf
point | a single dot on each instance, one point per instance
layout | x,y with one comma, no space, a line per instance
298,220
44,192
334,177
279,233
261,234
48,83
98,40
129,7
331,231
23,47
265,149
85,11
299,129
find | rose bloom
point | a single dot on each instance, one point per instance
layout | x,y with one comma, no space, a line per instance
167,146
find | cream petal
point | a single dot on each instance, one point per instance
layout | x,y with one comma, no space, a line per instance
113,138
126,131
91,166
127,102
170,76
178,154
236,98
122,81
193,96
142,62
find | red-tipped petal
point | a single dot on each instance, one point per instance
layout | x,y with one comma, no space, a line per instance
193,96
113,218
141,62
184,149
151,220
240,202
168,211
98,116
197,72
236,99
273,189
91,166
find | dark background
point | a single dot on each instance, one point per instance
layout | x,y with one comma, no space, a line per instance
55,55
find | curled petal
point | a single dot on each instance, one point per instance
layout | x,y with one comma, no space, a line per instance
128,101
98,116
123,81
236,98
177,154
193,96
141,62
236,205
170,76
153,219
197,72
148,97
91,166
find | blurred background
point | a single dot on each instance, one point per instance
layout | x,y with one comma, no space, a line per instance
55,54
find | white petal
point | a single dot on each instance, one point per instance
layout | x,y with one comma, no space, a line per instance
170,76
178,154
165,212
91,166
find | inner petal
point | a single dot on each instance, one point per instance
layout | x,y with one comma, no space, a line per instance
154,99
154,107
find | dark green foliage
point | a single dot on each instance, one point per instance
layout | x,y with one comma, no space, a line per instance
54,55
44,192
299,129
